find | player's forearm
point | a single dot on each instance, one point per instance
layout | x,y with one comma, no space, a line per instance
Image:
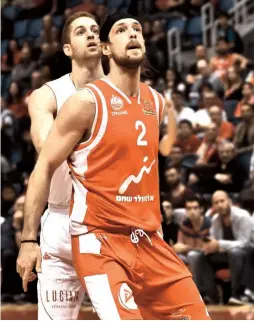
36,200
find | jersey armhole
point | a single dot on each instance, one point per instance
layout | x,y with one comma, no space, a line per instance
85,143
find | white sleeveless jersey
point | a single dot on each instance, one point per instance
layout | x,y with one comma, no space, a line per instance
61,184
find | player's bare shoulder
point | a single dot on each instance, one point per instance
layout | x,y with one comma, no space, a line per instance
42,98
80,109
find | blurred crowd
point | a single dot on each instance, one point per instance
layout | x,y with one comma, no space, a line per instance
206,180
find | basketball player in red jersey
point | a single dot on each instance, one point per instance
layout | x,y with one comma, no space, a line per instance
110,131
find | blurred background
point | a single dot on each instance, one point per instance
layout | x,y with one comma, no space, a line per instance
201,53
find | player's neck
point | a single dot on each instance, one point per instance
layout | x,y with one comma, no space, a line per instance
82,74
125,79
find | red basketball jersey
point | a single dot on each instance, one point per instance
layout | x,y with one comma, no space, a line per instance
115,173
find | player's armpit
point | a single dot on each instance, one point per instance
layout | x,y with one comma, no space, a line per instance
42,107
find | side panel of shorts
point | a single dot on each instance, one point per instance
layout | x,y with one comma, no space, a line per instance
60,292
58,298
105,278
55,243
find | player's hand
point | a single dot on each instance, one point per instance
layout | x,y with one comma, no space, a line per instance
28,258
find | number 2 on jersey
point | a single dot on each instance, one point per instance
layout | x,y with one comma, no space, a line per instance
140,140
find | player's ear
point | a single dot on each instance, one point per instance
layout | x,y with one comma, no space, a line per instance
67,50
105,49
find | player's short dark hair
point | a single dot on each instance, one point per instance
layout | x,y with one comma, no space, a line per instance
74,16
193,198
186,122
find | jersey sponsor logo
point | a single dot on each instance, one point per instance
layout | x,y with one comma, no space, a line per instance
116,103
136,179
148,108
62,296
126,298
136,199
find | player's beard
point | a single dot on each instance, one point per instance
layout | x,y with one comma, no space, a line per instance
127,62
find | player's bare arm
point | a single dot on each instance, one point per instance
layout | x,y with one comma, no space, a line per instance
42,108
74,119
169,139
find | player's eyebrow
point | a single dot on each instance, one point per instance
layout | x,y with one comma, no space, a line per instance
124,23
82,26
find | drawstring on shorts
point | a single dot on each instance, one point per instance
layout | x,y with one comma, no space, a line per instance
137,233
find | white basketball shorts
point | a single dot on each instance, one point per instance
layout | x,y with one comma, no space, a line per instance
60,293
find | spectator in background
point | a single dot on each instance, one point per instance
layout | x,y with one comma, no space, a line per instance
46,73
246,196
233,85
36,82
22,71
15,100
200,54
158,46
248,276
230,234
177,192
186,139
224,59
205,77
49,33
85,5
11,283
209,98
225,30
8,197
226,129
229,174
11,58
207,151
248,98
182,112
192,232
244,136
172,80
169,226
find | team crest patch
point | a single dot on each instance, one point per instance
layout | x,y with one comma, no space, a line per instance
116,102
148,108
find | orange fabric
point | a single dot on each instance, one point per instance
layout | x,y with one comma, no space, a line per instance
221,64
159,281
238,112
209,149
190,145
126,151
19,110
226,130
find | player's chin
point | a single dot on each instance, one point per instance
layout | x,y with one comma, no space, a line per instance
93,53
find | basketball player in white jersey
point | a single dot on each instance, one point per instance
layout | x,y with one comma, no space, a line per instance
60,293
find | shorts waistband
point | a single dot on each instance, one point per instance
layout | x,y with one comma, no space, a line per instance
61,208
121,230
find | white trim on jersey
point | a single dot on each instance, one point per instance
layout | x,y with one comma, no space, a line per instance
157,103
95,117
79,162
117,89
